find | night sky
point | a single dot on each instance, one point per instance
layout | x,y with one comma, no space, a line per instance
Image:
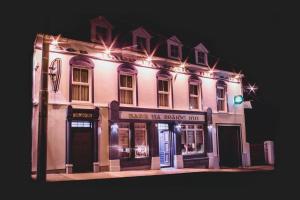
243,36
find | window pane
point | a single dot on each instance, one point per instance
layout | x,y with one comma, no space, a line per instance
101,33
193,89
141,43
220,92
84,76
221,105
194,102
129,81
126,96
163,100
76,74
122,80
75,92
201,57
174,51
84,93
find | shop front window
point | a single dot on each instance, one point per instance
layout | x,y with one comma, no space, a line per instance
133,144
124,140
141,147
192,139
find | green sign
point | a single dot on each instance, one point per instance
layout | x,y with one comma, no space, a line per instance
238,99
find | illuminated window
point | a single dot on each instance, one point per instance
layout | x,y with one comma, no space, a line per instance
124,140
192,139
163,92
80,84
126,89
81,124
140,140
221,96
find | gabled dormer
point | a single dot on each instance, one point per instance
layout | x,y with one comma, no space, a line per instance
174,46
101,30
201,54
141,39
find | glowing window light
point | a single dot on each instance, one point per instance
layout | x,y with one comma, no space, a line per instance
238,99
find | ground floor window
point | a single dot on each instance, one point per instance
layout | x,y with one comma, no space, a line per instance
133,141
192,139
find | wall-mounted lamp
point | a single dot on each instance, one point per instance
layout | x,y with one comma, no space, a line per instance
114,128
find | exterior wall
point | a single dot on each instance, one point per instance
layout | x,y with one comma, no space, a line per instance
230,119
106,90
180,91
56,137
104,139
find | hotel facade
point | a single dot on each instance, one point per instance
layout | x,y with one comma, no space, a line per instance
136,103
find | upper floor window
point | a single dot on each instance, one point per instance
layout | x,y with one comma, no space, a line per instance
163,92
80,84
127,84
195,92
221,96
101,30
201,57
101,33
201,54
174,46
141,43
81,79
164,89
126,89
141,39
174,51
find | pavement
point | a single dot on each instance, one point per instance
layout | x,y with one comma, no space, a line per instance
134,173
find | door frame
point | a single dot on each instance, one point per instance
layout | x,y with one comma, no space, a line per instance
172,145
240,140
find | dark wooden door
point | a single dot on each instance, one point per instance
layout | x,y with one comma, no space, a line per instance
82,149
229,146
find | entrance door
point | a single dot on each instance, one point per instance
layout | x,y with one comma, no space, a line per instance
165,141
82,149
229,146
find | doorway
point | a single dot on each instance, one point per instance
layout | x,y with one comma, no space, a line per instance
82,147
165,145
229,146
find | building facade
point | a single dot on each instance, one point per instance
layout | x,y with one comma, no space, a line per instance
119,106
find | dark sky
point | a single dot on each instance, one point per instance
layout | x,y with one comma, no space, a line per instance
245,36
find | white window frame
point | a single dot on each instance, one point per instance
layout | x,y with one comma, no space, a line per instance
224,99
164,92
198,96
82,83
194,129
133,89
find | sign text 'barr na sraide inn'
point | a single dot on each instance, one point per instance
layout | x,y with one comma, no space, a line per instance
161,116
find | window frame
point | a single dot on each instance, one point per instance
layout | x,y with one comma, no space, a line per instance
133,89
137,43
146,139
89,84
194,129
159,78
223,86
177,47
204,57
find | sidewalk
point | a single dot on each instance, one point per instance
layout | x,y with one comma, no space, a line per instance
134,173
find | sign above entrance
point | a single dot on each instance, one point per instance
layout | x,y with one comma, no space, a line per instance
161,116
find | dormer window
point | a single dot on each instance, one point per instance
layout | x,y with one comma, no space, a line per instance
101,30
174,51
174,48
141,39
201,54
101,33
141,43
